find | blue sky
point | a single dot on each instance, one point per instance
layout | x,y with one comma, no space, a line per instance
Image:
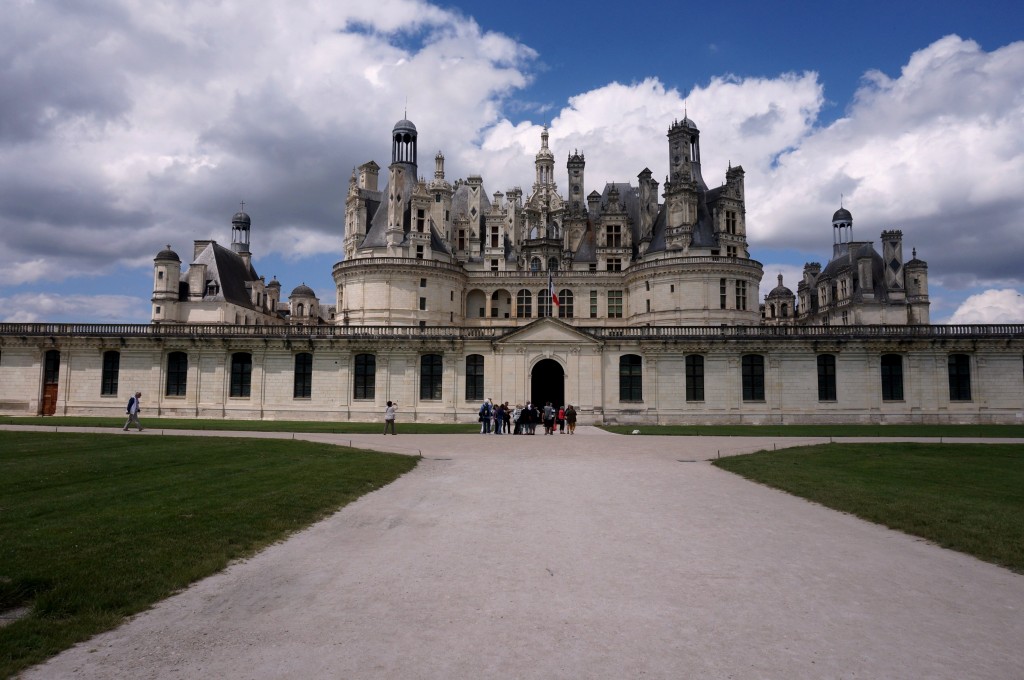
126,127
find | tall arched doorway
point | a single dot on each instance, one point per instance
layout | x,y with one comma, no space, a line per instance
547,383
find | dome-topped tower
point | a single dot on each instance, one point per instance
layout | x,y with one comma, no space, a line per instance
403,142
240,225
545,162
842,226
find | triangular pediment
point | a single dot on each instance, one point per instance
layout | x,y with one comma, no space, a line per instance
548,331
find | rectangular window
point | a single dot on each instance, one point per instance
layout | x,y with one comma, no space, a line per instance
694,377
423,304
615,304
365,376
892,377
494,265
462,239
475,377
111,368
423,283
753,377
614,264
631,378
723,293
177,374
431,373
241,374
730,251
420,220
592,267
303,387
826,377
959,377
494,237
741,295
419,252
613,236
730,221
593,304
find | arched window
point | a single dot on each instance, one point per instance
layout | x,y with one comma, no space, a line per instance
365,376
543,303
303,385
826,377
524,304
241,374
631,378
111,368
753,377
694,377
959,377
535,264
565,304
474,377
552,264
177,374
431,374
892,377
300,309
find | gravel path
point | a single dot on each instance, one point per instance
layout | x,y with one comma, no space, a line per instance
579,556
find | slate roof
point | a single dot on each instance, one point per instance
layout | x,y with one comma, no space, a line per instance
228,270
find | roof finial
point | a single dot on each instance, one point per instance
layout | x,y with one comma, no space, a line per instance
242,203
912,250
840,200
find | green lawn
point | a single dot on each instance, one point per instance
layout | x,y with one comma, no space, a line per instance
967,497
245,425
851,430
94,528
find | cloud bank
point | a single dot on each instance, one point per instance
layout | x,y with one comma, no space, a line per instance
131,126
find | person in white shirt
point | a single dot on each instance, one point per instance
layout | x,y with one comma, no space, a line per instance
389,418
133,412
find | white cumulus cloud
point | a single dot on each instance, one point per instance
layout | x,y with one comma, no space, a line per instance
991,306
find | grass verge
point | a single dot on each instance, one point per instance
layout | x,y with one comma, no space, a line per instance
244,425
966,497
851,430
94,528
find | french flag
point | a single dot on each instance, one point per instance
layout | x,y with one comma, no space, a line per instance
551,288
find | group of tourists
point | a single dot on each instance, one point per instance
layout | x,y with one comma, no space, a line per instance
520,419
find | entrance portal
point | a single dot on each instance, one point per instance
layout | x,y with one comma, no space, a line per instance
547,383
51,374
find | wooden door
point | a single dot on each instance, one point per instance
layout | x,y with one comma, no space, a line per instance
51,375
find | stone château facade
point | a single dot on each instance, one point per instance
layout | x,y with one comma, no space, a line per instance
446,295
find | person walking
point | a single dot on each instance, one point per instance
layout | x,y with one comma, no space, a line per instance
561,420
133,412
570,419
389,418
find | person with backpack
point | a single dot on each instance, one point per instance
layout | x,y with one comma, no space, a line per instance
570,419
485,417
499,418
133,412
